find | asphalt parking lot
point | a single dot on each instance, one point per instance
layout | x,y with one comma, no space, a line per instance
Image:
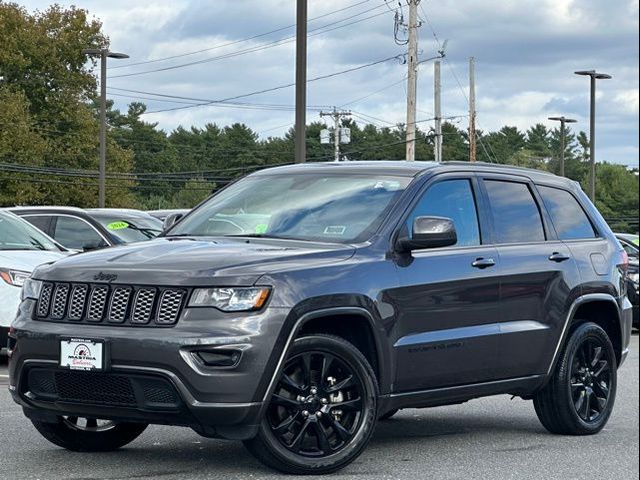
494,438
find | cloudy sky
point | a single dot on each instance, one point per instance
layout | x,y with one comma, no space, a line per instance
526,51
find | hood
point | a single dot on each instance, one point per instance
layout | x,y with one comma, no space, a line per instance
26,260
194,261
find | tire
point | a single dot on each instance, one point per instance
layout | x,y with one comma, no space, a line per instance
79,435
304,432
579,398
388,415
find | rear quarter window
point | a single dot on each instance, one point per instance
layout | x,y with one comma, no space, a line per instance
568,217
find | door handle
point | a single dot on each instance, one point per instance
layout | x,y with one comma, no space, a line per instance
559,257
483,263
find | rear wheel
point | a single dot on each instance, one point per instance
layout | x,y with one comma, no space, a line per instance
580,396
323,410
89,434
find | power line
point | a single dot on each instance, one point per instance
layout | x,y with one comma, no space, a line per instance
235,42
235,105
281,87
198,101
259,48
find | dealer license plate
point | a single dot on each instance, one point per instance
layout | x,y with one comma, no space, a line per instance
81,354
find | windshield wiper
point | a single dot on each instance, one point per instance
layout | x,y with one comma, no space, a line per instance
183,235
258,235
37,244
147,232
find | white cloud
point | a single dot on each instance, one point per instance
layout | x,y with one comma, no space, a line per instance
526,51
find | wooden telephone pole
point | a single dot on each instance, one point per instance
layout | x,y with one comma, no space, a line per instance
472,111
412,84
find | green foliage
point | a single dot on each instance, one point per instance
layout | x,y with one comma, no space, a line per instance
193,193
47,118
617,196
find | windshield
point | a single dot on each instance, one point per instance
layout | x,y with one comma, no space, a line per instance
339,208
131,229
17,234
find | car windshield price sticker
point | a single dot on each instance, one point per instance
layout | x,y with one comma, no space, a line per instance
78,354
118,226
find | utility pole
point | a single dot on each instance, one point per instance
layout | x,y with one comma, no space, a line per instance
563,121
337,116
437,101
104,53
592,126
412,84
301,82
472,111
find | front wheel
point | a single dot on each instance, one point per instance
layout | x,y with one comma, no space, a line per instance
323,410
579,397
89,434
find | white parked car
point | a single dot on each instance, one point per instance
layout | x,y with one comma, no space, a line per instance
22,248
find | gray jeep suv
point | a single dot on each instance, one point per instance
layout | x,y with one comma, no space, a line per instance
298,306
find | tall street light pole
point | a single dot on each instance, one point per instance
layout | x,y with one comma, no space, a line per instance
592,121
301,82
103,53
563,121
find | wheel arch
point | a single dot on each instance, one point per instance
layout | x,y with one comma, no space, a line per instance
340,321
599,308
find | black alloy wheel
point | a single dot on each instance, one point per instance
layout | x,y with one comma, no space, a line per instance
590,380
580,394
317,405
322,411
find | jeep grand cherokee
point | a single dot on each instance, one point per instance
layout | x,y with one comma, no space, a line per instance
299,305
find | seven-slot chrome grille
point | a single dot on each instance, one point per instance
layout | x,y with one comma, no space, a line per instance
110,304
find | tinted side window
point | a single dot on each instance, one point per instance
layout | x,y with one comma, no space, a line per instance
76,234
516,216
567,215
452,199
41,222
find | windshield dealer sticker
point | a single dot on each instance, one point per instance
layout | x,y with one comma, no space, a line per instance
335,230
118,226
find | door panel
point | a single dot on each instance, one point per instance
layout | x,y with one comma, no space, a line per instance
448,321
534,293
447,331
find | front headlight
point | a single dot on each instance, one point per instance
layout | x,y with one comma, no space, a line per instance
634,277
230,299
14,277
31,289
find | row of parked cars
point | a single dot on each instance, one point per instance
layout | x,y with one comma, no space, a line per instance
31,236
302,304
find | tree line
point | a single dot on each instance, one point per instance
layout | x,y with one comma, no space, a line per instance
49,130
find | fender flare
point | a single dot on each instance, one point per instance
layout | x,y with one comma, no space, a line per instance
308,316
581,300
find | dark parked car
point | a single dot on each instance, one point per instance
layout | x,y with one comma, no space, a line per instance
299,305
630,244
83,230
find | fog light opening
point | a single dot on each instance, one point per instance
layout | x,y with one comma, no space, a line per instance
218,358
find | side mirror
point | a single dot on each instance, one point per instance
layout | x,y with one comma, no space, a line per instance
429,232
171,220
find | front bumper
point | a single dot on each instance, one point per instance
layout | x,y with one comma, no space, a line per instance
219,402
